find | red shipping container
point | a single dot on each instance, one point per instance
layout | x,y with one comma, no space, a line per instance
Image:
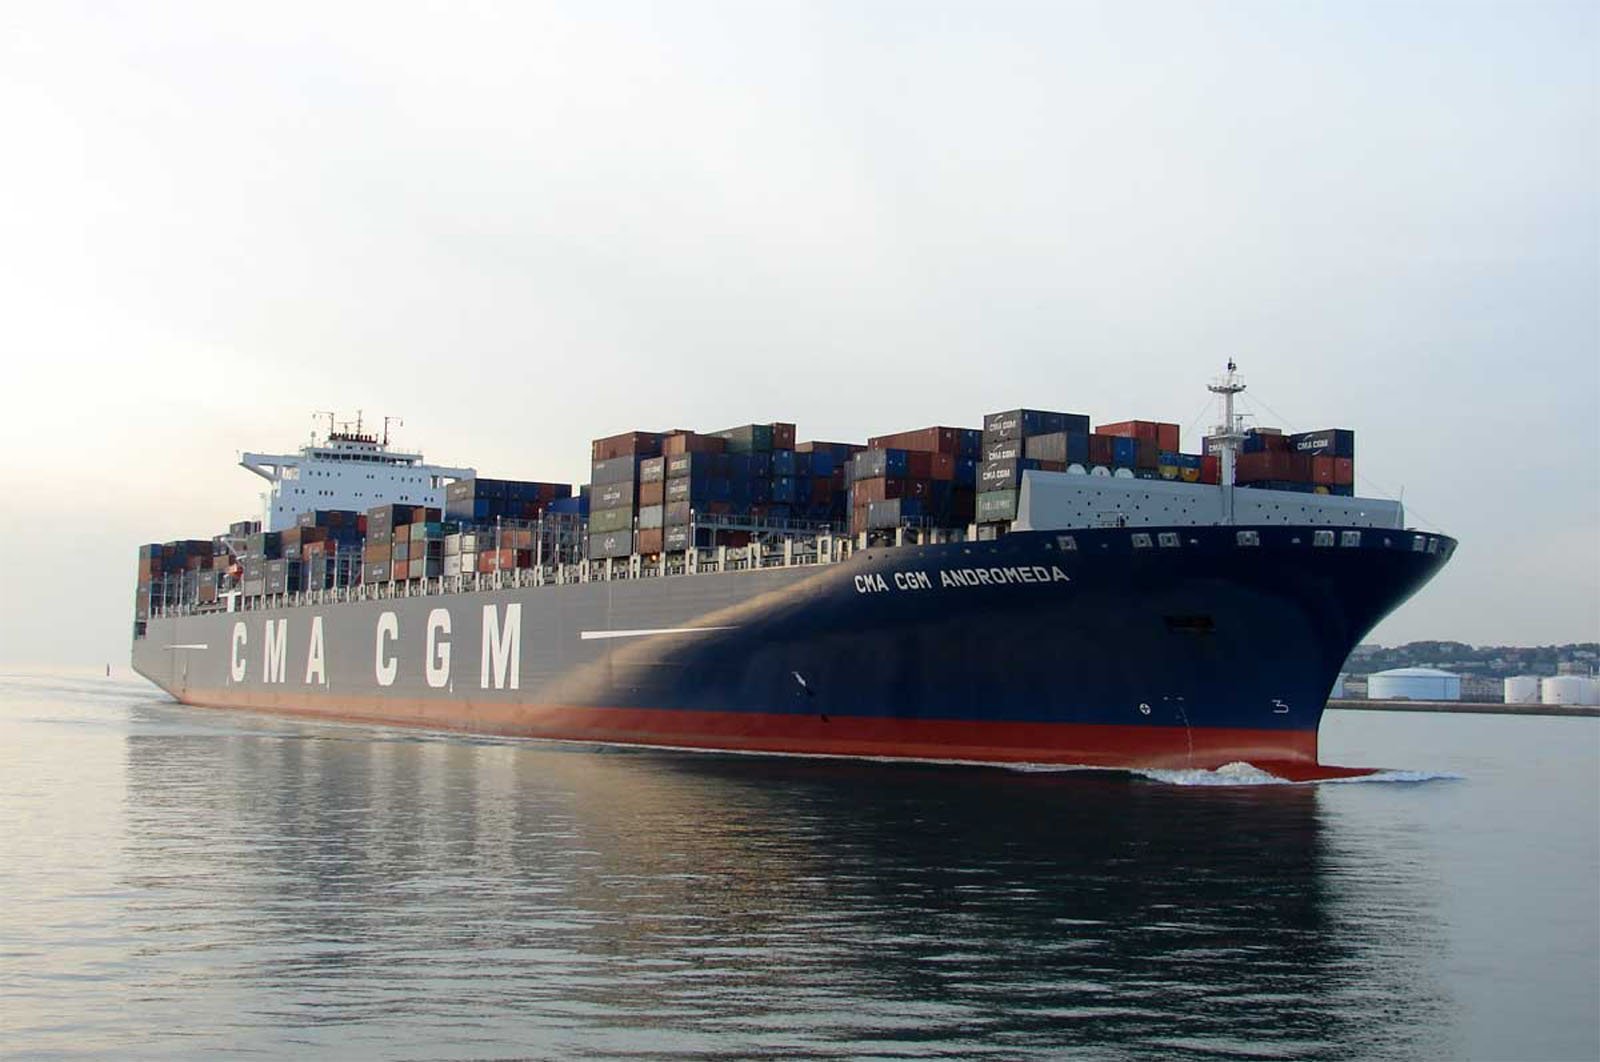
1148,456
1101,449
1261,467
400,571
942,466
782,436
1344,472
1322,470
919,464
1131,429
1211,469
504,560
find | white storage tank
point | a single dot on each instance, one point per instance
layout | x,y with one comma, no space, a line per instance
1567,689
1414,684
1522,689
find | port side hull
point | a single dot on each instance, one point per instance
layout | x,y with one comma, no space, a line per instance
1200,653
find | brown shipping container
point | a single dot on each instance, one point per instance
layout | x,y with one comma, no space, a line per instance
688,442
649,542
864,491
1162,435
936,440
647,443
782,435
400,571
377,553
837,447
652,493
1322,470
1344,471
504,560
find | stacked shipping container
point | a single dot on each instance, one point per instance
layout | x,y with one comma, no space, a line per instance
1319,462
171,572
614,490
1017,440
652,491
926,477
482,500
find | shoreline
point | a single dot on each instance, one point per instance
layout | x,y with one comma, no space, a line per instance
1574,711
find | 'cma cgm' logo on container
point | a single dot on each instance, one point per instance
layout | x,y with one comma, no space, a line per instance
499,664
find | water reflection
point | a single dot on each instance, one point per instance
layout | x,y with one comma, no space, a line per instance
375,889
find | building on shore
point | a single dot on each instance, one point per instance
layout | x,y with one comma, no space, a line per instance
1414,684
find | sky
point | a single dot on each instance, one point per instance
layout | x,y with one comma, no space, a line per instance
523,226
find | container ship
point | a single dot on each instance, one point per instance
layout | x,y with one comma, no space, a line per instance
1038,590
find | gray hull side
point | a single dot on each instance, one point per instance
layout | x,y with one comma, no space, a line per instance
194,657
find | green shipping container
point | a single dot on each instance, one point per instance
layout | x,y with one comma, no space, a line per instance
997,505
604,520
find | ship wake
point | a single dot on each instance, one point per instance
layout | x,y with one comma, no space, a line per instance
1249,774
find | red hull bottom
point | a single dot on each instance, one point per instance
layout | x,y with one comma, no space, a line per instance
1289,754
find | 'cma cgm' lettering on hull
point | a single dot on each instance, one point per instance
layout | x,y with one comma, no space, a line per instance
499,664
959,578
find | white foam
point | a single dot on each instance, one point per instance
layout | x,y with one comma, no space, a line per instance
1400,776
1228,774
1242,774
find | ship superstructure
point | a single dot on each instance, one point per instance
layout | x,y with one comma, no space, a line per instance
346,468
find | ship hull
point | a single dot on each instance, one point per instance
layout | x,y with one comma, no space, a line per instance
1198,653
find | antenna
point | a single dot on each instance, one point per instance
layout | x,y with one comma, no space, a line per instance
386,421
358,422
324,413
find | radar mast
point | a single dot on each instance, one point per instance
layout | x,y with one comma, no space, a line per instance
1227,437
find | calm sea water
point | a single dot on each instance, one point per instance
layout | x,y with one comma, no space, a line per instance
187,883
